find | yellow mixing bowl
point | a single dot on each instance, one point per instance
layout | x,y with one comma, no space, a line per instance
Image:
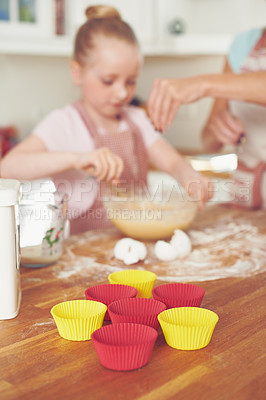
141,214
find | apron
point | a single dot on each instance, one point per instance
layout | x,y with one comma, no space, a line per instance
130,147
249,189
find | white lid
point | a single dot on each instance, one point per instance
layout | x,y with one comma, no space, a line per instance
9,192
45,185
37,191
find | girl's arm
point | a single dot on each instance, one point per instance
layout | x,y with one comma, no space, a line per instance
168,160
30,159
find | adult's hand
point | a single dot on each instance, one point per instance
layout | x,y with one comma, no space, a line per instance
167,95
224,127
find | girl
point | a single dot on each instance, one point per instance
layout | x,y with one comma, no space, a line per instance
99,135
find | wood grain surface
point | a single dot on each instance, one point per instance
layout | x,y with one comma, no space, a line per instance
36,363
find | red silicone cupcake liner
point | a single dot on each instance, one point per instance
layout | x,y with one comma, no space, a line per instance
124,347
138,310
179,295
107,293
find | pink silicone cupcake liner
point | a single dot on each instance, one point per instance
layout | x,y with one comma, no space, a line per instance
107,293
179,295
138,310
124,346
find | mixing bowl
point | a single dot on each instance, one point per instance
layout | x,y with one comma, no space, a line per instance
142,213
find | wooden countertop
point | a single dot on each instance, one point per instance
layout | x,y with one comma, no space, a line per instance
36,363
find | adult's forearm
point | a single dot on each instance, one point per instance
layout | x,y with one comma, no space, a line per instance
250,87
32,166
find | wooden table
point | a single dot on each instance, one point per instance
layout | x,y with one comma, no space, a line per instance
37,364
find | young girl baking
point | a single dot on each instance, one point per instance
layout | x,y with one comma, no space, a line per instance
100,134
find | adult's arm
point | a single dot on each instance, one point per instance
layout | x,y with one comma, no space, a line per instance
167,95
221,127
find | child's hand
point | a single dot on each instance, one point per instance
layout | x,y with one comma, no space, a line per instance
201,189
102,164
225,127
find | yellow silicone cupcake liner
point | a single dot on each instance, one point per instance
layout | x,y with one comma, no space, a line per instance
188,328
78,319
143,281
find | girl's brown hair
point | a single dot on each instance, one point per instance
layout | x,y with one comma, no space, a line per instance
101,20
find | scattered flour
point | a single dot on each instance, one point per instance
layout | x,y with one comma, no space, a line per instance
86,266
72,264
50,322
223,249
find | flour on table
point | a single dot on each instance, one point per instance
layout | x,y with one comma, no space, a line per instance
50,322
225,250
73,265
84,266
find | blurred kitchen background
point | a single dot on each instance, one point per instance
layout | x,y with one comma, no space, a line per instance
178,38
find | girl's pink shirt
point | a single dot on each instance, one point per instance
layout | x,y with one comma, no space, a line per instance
64,131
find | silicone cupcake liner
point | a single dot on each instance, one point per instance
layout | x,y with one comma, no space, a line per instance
143,281
77,319
138,310
106,294
124,346
179,295
188,328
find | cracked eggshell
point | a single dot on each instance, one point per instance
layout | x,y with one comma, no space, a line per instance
130,251
181,243
164,251
140,249
121,248
131,258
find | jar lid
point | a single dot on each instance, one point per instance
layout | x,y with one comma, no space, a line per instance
41,192
9,192
37,191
